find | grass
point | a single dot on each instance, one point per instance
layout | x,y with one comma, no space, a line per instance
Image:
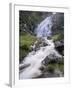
25,41
57,37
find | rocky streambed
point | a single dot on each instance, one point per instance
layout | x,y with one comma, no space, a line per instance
42,62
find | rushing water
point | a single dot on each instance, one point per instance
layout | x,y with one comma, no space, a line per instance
35,58
44,28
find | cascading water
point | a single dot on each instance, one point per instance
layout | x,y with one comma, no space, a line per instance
35,58
44,28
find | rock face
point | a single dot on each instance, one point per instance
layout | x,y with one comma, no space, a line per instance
58,23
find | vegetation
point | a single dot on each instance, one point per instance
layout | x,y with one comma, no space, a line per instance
25,41
57,65
57,37
28,21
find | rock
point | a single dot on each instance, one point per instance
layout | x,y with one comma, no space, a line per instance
38,44
23,66
59,45
52,58
58,23
42,68
59,73
45,44
46,61
32,47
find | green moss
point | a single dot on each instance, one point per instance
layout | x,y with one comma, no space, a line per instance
26,39
59,65
22,54
50,68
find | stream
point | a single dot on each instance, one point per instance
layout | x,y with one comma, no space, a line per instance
35,58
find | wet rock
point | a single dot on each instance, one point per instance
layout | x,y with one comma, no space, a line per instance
46,61
52,58
42,68
38,44
59,45
23,66
45,44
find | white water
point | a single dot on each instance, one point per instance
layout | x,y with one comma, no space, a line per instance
35,58
44,28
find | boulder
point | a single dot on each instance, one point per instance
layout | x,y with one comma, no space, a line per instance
45,44
59,45
52,58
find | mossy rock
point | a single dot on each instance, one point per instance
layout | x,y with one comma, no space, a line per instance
58,65
50,68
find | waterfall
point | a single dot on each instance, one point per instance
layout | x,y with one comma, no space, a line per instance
44,28
35,58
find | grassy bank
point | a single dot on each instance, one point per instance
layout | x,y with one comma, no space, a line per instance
25,41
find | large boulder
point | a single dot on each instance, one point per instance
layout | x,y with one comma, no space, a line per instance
52,58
